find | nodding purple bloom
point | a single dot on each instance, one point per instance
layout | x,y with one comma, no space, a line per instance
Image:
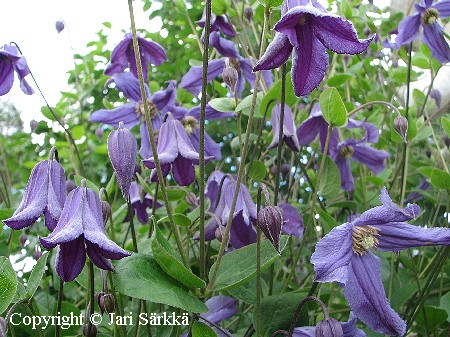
131,114
11,61
122,151
416,196
192,80
244,218
80,230
348,328
175,152
59,25
218,23
140,201
345,255
308,30
289,134
436,95
293,221
45,194
123,56
433,33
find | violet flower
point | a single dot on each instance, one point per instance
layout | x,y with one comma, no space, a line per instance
11,61
140,201
45,194
218,23
308,30
293,221
433,33
175,152
123,56
345,255
349,328
289,134
80,230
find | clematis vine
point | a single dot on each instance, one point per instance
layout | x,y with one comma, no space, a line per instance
345,255
80,230
306,29
426,16
11,61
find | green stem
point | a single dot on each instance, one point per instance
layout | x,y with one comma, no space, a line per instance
299,308
91,301
280,135
58,307
258,267
33,312
365,105
133,231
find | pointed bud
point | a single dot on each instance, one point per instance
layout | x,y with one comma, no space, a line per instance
37,253
59,25
107,303
285,169
367,31
248,13
137,168
22,239
33,125
401,126
106,211
70,185
93,332
122,150
329,327
99,133
230,76
97,297
191,199
447,141
270,221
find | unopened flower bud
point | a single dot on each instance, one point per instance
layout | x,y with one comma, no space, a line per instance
447,141
401,126
93,332
191,199
106,211
37,254
270,221
59,25
22,239
230,77
33,125
329,327
107,303
285,169
428,153
99,133
273,170
70,185
97,297
122,150
248,13
366,31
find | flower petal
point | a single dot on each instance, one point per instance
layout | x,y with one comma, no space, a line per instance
241,233
293,221
183,171
192,80
125,113
128,84
167,148
220,308
96,257
374,159
276,54
6,76
223,46
433,37
408,30
152,51
164,99
70,259
443,8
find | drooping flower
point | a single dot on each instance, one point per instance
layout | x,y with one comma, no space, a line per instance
140,201
307,29
348,328
293,221
289,134
59,25
426,16
218,23
123,56
45,194
416,196
175,152
345,255
11,61
80,230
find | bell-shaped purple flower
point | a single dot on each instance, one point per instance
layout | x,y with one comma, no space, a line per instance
11,61
345,255
140,201
122,150
293,221
308,30
289,133
80,230
123,56
175,152
433,34
218,23
45,194
349,329
59,25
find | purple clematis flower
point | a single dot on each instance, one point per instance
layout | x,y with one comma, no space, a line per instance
416,196
433,36
11,61
132,113
345,255
176,152
349,328
293,221
45,194
218,23
80,230
244,218
140,201
289,135
123,56
307,29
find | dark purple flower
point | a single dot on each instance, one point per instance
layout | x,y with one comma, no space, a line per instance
427,16
45,194
175,152
123,56
80,230
289,134
416,196
11,61
293,221
122,151
140,201
345,255
348,328
218,23
308,29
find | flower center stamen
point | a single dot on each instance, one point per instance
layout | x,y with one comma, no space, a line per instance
234,62
364,239
190,124
429,16
345,152
140,111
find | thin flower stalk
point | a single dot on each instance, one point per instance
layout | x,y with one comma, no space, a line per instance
280,134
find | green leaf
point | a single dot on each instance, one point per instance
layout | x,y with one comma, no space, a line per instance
77,132
47,113
333,108
223,104
89,183
140,276
245,105
274,3
200,329
107,24
330,180
196,212
327,220
8,283
36,274
101,149
239,266
345,9
6,213
180,5
445,122
432,317
445,304
220,7
274,93
179,219
440,179
339,79
257,170
173,193
235,141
